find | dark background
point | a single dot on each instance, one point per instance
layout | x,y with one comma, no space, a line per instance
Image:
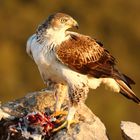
115,22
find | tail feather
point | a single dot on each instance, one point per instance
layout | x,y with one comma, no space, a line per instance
129,80
127,92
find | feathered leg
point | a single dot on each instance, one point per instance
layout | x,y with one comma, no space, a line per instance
76,95
60,94
60,91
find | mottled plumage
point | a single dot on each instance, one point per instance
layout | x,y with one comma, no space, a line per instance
84,55
74,62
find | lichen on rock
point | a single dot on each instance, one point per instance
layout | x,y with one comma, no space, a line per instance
88,127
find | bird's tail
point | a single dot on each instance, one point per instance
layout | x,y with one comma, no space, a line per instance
125,89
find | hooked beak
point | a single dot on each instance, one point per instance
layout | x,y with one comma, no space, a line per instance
73,24
76,25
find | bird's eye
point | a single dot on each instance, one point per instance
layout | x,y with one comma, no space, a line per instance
63,20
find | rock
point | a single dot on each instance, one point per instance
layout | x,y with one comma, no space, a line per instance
88,127
130,130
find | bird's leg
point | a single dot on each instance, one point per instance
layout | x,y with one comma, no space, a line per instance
70,119
60,94
76,96
71,111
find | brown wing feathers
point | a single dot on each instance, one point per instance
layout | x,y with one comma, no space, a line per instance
85,55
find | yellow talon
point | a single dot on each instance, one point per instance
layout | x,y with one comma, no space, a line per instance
66,124
58,113
71,122
61,116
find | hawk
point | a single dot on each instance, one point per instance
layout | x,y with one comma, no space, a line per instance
74,62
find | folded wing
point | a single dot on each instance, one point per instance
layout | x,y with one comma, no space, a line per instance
87,56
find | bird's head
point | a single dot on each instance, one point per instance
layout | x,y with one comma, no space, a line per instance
55,26
61,21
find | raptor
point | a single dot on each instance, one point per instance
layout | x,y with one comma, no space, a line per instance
73,63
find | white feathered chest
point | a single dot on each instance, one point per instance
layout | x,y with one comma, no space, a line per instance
45,59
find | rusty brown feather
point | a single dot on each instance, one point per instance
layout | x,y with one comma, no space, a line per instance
84,55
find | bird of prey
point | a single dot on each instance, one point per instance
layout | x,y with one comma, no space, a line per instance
73,63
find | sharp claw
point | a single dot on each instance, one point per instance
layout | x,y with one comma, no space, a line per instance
58,113
60,116
60,127
71,122
66,124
